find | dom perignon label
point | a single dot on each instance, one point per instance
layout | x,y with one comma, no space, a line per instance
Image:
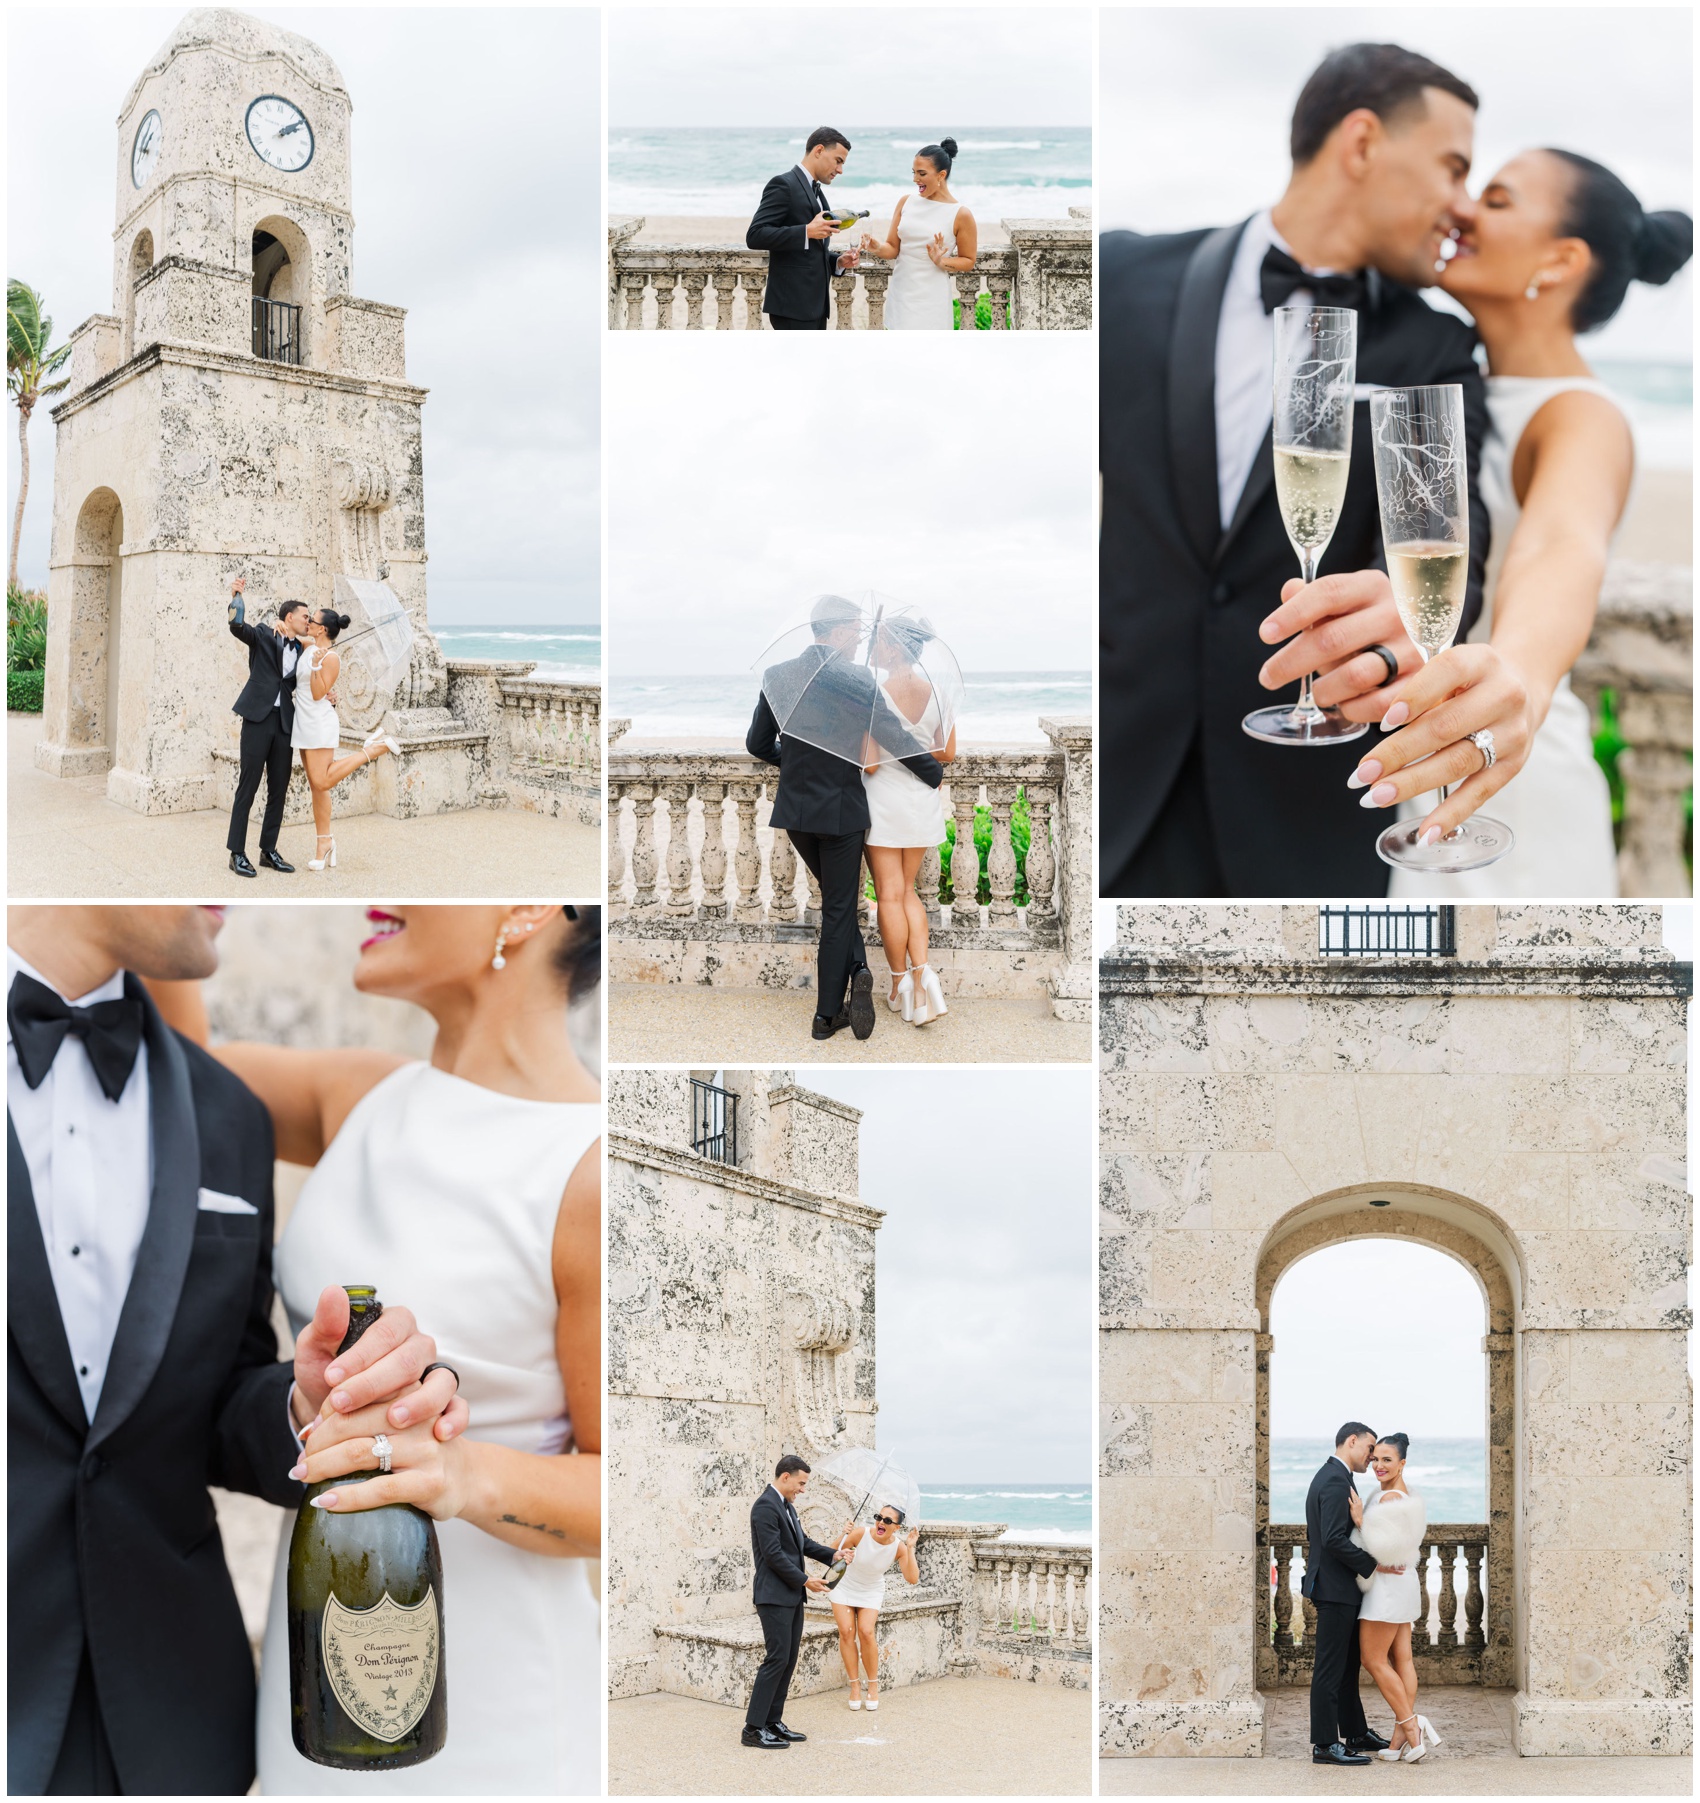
382,1661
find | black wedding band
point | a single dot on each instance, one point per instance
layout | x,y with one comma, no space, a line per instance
440,1366
1391,662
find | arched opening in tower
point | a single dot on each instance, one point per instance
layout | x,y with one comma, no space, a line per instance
278,290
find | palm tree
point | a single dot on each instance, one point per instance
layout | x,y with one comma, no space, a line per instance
29,365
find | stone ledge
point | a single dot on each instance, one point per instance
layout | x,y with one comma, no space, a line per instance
1219,1728
1327,979
1603,1727
697,1169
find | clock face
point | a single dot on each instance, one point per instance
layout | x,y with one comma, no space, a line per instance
144,153
280,134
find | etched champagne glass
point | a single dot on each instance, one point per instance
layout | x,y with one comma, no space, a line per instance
1316,372
1423,484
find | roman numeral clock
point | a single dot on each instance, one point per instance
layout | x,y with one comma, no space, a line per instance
239,412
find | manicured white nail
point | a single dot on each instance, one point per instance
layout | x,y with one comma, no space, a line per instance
1379,796
1430,835
324,1502
298,1472
1396,715
1366,772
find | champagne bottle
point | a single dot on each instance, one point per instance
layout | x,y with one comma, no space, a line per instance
368,1692
842,218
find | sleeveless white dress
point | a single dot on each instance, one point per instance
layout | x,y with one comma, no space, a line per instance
316,725
1393,1531
863,1584
445,1195
919,296
1559,803
902,810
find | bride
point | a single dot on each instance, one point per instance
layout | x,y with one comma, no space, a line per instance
318,732
1554,244
906,820
932,237
1391,1526
857,1600
471,1181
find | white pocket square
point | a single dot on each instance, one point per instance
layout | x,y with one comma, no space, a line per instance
221,1204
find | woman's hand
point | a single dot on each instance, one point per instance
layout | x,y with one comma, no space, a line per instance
936,250
1355,1503
911,1537
1461,691
427,1466
847,1530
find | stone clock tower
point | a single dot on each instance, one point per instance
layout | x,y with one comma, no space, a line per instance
239,413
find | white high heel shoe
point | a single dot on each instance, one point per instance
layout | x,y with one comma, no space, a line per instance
923,1011
330,859
1426,1737
935,990
873,1702
384,739
902,999
855,1701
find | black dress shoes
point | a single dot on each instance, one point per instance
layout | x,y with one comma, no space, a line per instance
764,1738
862,1001
1336,1754
1367,1742
824,1028
273,862
785,1733
239,863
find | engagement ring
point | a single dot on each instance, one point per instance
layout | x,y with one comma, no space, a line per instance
381,1452
1483,742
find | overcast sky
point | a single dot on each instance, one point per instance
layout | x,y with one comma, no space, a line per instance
1196,102
874,66
785,467
985,1267
476,160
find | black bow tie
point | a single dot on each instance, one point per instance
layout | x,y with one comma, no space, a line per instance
1281,276
820,198
111,1033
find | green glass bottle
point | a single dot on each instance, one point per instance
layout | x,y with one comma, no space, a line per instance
368,1691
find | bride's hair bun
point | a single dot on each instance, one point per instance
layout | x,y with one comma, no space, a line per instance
1626,243
333,622
948,146
1667,242
941,155
1401,1441
578,958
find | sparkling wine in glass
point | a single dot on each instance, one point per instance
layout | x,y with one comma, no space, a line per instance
1316,367
1422,483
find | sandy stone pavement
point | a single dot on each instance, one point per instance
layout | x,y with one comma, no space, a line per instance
66,839
953,1737
676,1023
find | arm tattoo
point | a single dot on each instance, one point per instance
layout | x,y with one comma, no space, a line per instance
542,1527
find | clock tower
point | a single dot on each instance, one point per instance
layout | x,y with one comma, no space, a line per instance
240,412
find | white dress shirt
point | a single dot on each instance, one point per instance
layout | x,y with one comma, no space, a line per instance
91,1167
291,654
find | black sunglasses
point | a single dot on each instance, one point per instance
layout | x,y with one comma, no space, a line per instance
886,1521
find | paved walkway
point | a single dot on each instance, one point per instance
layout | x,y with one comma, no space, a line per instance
66,839
1476,1758
954,1737
679,1023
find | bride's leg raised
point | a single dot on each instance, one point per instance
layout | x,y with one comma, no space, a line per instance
886,863
335,769
845,1617
1375,1648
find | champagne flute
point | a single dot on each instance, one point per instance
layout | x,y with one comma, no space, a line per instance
1316,368
1422,482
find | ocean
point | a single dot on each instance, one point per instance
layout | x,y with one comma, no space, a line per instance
574,652
1033,1511
1002,706
1019,172
1659,399
1450,1475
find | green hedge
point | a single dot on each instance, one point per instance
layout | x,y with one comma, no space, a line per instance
23,691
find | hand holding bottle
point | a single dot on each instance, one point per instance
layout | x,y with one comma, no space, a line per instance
428,1466
389,1358
823,225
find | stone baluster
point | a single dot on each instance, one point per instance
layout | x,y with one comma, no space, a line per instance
1052,1571
998,286
752,281
666,280
618,862
811,908
746,860
713,857
1000,858
986,1587
1423,1637
783,867
1283,1598
633,282
695,281
927,883
844,300
1041,855
679,899
1006,1595
725,287
1310,1623
1474,1555
1079,1617
874,284
964,857
1449,1636
968,292
645,861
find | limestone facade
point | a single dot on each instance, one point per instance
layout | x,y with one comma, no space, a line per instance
1521,1107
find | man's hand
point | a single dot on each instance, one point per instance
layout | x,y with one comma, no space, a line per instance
813,1584
1336,620
1393,1571
387,1360
820,227
239,585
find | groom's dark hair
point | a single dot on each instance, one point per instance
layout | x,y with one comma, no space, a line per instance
1385,78
1350,1430
290,607
791,1462
824,134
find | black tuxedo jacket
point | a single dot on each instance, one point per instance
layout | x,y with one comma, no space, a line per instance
779,1546
1330,1557
1180,599
111,1537
819,792
265,670
799,270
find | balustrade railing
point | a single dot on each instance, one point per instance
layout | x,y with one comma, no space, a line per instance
1448,1643
1034,1590
553,726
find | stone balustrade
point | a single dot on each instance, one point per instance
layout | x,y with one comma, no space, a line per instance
1642,649
1034,1590
1449,1645
700,888
1041,280
543,736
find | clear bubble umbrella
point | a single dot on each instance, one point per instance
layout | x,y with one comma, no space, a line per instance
377,646
868,1481
863,678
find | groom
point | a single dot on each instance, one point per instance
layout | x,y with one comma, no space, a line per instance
1339,1735
267,708
1194,553
142,1363
779,1545
791,226
820,799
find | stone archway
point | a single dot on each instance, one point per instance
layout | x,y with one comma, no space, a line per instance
281,285
140,261
1477,1639
84,634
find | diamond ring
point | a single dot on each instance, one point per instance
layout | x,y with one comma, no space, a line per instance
381,1452
1483,742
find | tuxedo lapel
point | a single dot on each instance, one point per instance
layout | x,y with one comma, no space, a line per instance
1258,481
1192,389
32,1304
804,187
156,1284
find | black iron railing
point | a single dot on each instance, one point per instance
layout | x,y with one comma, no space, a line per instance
277,331
714,1122
1391,932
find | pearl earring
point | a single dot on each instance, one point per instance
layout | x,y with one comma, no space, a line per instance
1532,292
499,962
